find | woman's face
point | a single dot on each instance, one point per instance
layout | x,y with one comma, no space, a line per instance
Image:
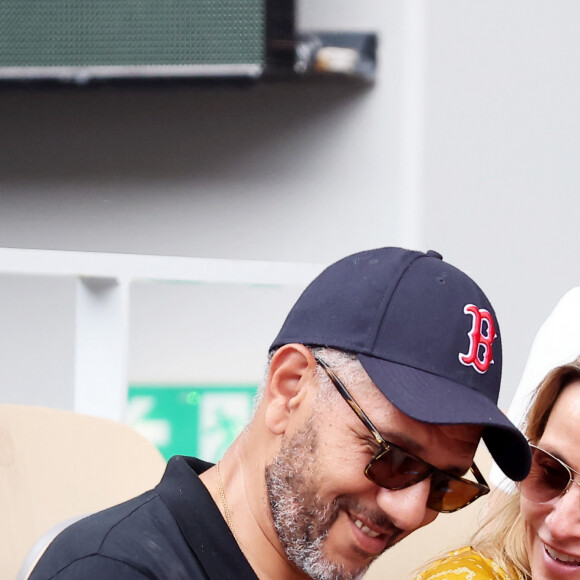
553,527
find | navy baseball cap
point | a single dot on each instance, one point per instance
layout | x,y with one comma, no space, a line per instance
424,332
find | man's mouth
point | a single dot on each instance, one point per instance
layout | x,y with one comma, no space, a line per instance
560,557
365,529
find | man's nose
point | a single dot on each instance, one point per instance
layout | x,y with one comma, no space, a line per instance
407,508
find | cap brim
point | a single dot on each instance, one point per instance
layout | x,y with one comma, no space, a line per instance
432,399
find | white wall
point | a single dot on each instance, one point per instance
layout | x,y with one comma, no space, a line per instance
206,333
37,340
500,160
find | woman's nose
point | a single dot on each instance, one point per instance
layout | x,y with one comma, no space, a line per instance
564,520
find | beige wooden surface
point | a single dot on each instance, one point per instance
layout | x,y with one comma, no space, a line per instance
56,464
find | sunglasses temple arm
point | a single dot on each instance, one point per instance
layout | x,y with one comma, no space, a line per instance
478,475
352,403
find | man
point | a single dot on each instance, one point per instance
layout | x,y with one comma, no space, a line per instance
380,384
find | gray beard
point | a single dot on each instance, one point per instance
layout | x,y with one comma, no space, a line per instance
301,519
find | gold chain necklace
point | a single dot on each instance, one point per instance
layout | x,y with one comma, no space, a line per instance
224,502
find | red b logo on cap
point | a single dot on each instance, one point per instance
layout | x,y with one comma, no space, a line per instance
481,337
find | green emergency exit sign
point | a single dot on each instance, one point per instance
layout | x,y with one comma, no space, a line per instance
199,420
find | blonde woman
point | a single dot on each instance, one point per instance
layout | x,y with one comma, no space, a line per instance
535,533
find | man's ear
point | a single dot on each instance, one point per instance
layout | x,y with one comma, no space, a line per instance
292,369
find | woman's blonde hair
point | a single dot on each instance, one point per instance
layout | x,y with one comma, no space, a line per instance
501,536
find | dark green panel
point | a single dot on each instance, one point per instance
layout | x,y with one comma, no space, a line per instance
113,33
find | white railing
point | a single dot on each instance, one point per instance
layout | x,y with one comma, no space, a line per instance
102,305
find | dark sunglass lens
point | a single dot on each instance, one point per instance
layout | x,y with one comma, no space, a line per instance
394,469
448,494
548,478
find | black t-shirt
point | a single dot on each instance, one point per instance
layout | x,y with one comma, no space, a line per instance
173,532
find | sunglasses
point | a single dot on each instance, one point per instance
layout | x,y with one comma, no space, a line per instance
549,477
394,468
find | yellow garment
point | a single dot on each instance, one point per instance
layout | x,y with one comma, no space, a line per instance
464,564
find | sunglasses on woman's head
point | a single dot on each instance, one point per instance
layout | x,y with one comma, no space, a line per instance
394,468
549,477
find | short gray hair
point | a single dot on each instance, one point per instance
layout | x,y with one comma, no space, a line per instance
346,365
